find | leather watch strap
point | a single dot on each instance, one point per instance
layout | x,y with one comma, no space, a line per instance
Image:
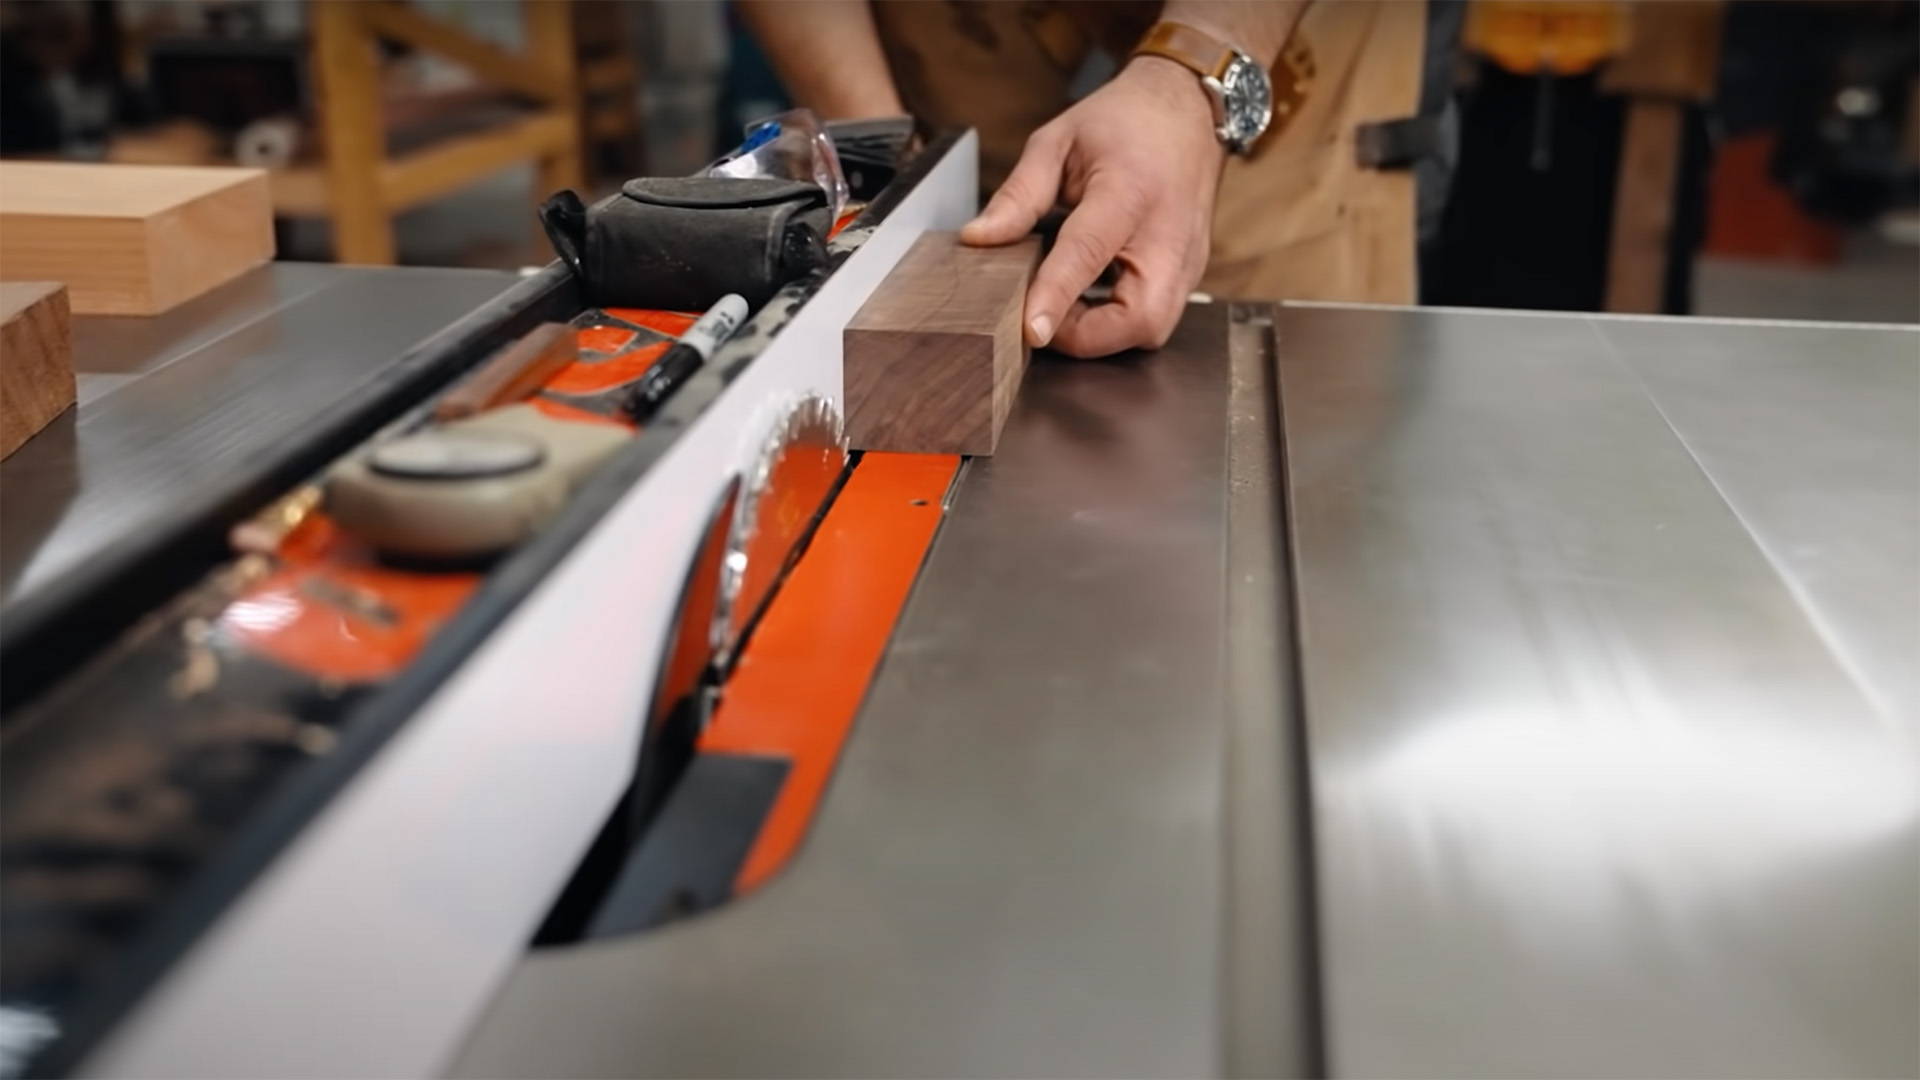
1292,79
1196,50
1291,76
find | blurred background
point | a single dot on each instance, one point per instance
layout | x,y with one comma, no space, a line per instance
1736,159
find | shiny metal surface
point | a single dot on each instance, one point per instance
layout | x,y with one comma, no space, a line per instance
1607,632
791,476
1021,868
1811,433
1270,1011
378,936
194,395
110,351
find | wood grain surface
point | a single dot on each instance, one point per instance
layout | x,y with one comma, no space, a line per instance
934,358
1643,206
36,359
1673,59
132,239
1674,52
514,373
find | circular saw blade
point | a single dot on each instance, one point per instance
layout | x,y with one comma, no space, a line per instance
785,489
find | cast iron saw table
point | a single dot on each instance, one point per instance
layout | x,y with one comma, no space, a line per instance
1486,694
1341,690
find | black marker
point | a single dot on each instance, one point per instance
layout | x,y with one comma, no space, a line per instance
684,358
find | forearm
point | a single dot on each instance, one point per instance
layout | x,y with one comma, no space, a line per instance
828,54
1258,29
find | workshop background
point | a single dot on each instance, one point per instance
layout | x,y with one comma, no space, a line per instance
1731,159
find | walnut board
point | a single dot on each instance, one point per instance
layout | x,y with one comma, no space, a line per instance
36,359
934,358
132,239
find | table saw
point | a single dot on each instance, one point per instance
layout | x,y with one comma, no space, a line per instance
1348,691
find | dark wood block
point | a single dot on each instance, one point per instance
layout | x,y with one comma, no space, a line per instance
515,373
934,359
36,359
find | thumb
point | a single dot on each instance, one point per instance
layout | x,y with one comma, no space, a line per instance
1030,191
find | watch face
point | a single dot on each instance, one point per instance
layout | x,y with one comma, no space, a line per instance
1249,101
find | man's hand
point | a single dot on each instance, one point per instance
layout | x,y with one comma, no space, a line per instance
1140,165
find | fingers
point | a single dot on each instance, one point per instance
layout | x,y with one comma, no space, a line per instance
1152,291
1147,303
1094,330
1089,239
1028,192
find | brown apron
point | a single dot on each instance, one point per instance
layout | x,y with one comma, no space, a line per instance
1298,219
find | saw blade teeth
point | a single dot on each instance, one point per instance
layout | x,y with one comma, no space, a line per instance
779,502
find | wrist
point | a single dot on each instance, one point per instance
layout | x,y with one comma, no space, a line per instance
1259,30
871,100
1177,86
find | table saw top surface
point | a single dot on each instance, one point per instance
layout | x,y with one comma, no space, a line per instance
1597,635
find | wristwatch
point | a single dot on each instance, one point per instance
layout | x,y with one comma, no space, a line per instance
1246,100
